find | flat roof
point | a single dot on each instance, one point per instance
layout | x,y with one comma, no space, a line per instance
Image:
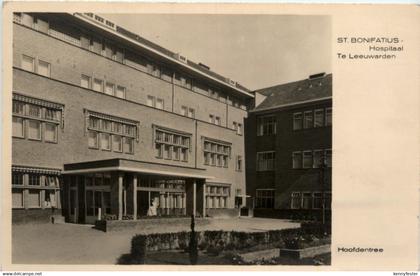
164,53
127,165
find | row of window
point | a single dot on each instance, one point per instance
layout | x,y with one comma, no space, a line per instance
266,125
213,119
312,158
38,66
312,118
310,200
34,179
25,197
187,111
35,122
110,135
34,198
172,146
109,49
100,85
155,102
217,196
216,154
264,198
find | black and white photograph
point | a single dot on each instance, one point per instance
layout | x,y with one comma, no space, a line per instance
171,139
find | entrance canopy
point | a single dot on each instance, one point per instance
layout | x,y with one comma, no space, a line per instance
126,165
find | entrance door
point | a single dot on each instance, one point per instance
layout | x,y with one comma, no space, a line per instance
73,205
98,204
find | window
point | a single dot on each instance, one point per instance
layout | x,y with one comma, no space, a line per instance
120,92
17,178
50,132
266,161
34,130
296,200
237,127
109,89
172,145
18,127
319,118
310,200
318,158
217,121
211,119
34,199
317,200
191,112
264,198
150,101
34,111
111,133
217,196
98,85
18,108
297,121
28,63
307,159
328,116
239,163
35,119
117,143
17,198
216,153
34,179
297,160
184,110
105,141
328,158
44,68
308,122
239,130
128,145
159,103
266,125
306,200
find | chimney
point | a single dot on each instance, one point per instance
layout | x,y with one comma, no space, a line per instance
204,66
316,76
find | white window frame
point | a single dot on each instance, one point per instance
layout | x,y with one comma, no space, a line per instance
48,68
266,167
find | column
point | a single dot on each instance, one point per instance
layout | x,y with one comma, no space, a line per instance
134,185
120,195
200,197
25,191
191,194
42,192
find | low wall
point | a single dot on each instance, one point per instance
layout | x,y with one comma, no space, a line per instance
20,216
223,213
143,224
294,214
213,240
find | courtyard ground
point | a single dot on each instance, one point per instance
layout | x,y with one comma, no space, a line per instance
82,244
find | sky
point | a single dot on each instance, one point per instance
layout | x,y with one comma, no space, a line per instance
257,51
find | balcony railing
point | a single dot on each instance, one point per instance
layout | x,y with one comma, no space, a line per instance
64,37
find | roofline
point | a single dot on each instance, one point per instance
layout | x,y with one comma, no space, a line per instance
289,104
287,83
138,170
92,22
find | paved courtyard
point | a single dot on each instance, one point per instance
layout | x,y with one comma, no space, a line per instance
81,244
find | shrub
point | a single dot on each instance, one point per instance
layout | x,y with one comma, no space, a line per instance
138,249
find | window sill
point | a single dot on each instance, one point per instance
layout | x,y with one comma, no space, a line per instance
34,139
51,142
